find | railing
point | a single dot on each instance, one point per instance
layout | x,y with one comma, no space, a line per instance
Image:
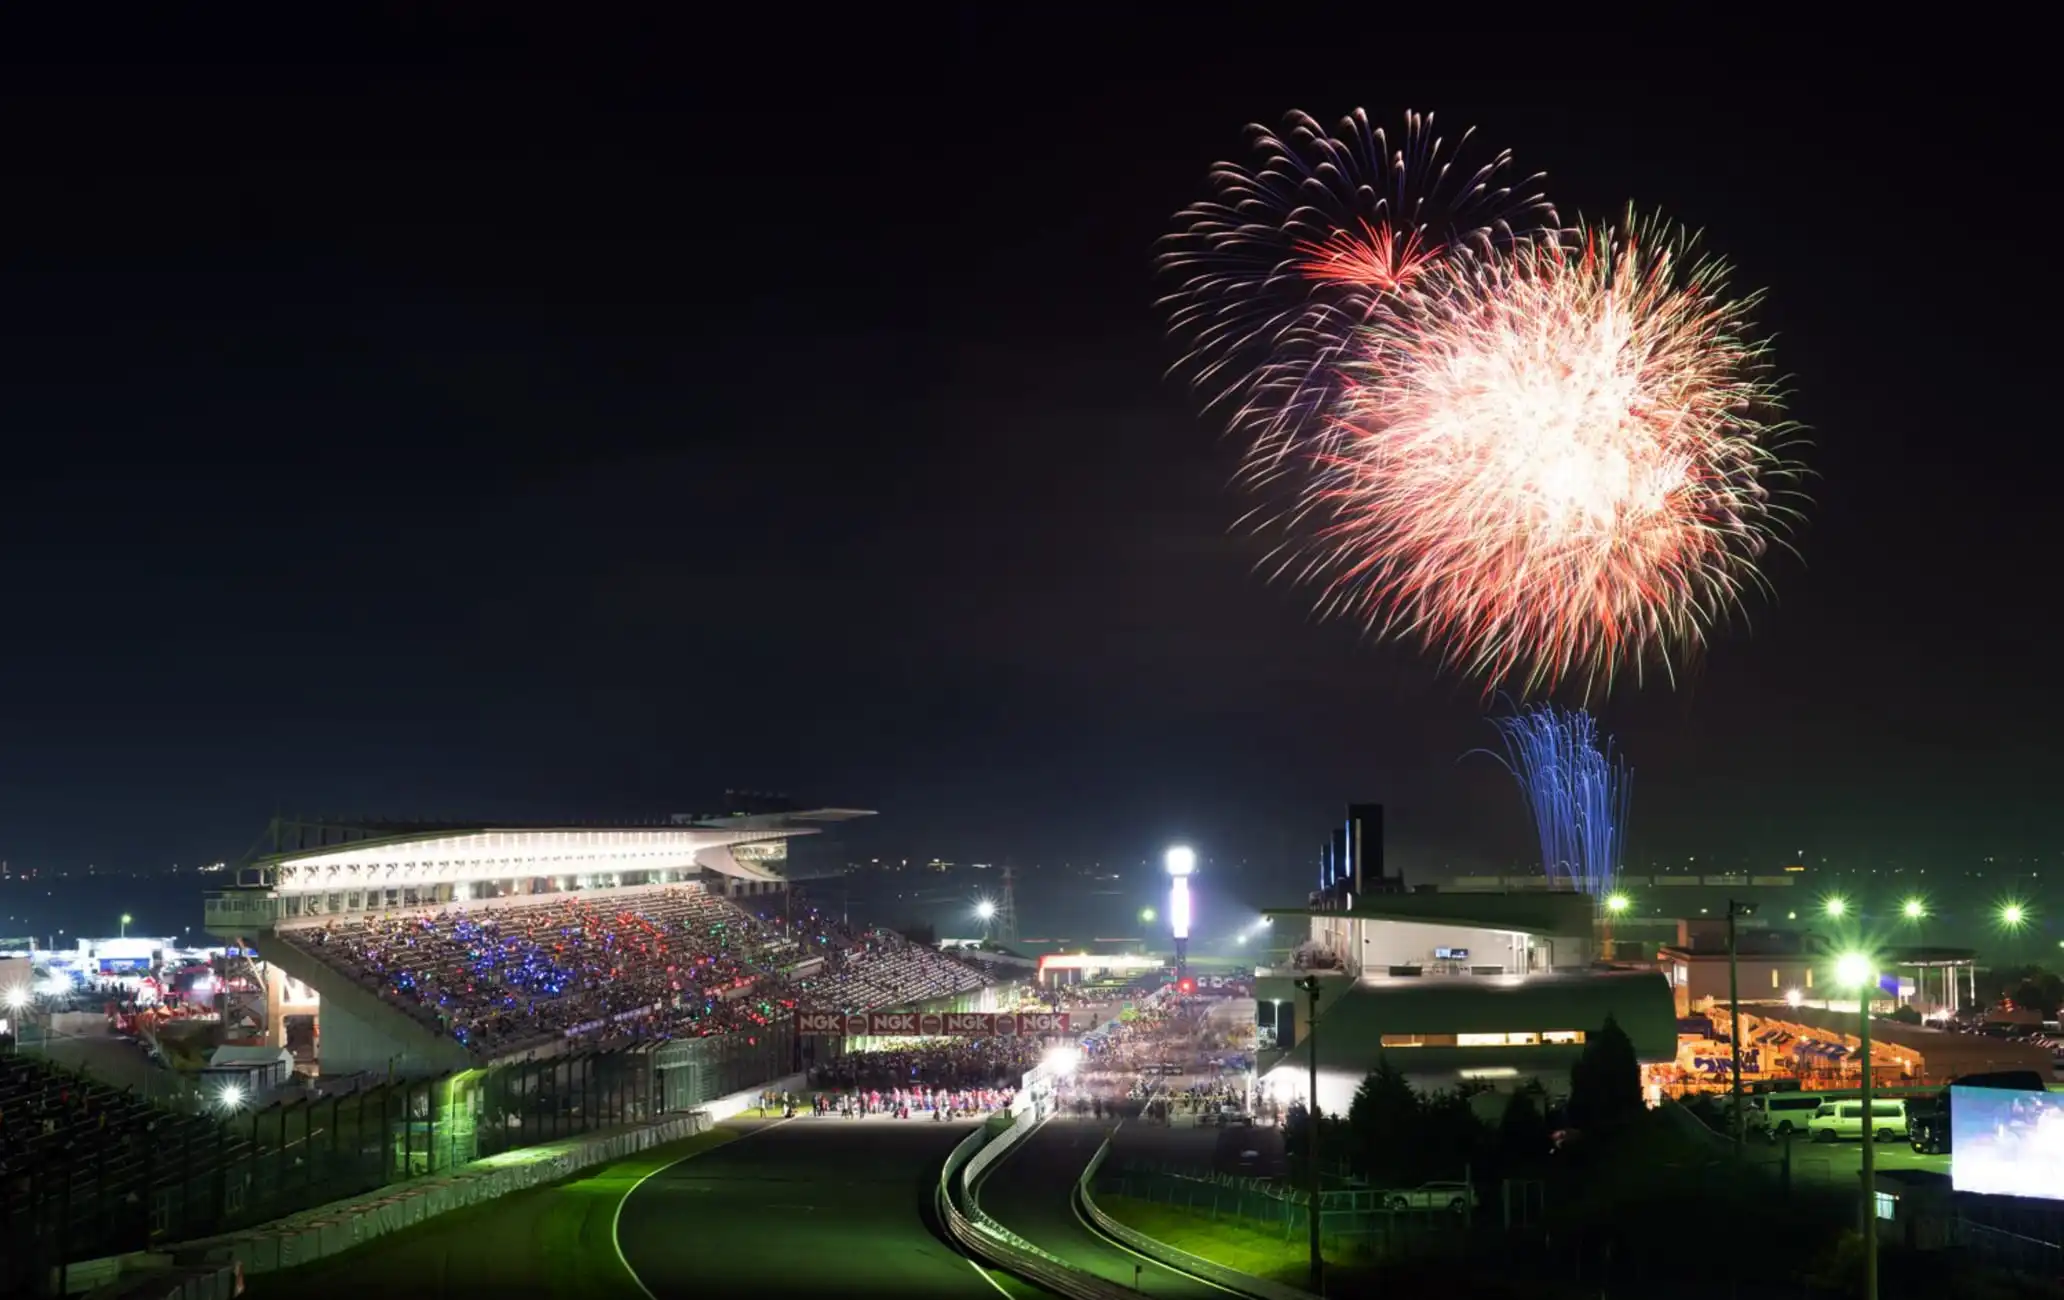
982,1237
988,1241
1179,1260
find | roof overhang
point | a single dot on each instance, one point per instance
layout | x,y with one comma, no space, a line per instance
454,857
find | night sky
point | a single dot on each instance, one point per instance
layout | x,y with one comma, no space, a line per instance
523,433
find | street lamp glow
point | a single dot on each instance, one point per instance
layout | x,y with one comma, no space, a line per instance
1062,1060
985,910
1836,906
2013,915
1180,860
18,997
231,1096
1147,914
1617,903
1855,970
1914,909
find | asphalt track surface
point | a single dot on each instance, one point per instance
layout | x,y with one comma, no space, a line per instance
1031,1191
809,1206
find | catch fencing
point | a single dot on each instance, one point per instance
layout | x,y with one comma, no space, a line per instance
185,1176
1361,1221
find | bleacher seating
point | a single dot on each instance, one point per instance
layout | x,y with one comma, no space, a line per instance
676,961
54,1123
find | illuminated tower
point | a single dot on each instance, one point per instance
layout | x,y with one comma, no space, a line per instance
1007,909
1181,862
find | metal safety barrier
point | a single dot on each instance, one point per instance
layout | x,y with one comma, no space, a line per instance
1168,1256
986,1240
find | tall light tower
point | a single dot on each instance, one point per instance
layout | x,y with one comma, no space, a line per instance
1007,910
1181,862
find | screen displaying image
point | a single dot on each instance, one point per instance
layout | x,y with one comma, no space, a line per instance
2007,1143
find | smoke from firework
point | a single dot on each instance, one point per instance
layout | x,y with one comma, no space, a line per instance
1577,789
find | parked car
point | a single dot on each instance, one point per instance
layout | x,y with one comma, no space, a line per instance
1459,1197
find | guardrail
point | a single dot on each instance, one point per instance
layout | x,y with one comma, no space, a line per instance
988,1241
1181,1261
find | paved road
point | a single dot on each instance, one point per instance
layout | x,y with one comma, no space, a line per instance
811,1206
1031,1192
1840,1164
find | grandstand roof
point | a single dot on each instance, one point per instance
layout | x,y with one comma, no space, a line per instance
329,855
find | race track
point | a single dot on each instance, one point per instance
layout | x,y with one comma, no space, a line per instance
809,1206
1031,1192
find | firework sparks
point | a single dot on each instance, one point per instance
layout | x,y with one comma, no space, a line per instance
1577,789
1328,231
1557,465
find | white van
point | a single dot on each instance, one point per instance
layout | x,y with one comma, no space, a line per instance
1786,1113
1844,1119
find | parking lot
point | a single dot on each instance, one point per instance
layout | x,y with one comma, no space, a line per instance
1841,1163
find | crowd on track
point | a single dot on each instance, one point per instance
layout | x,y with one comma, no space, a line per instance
1172,1055
666,962
938,1063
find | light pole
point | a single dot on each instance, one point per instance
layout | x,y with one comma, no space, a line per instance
1741,1118
125,925
17,1001
1616,905
1315,1188
1858,971
1181,862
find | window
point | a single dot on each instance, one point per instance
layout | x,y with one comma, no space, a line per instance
1512,1038
1773,977
1887,1204
1809,977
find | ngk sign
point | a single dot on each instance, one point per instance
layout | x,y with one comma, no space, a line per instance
929,1024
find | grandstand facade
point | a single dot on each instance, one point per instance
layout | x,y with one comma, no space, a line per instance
436,950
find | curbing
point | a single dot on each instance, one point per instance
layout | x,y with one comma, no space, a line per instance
1180,1260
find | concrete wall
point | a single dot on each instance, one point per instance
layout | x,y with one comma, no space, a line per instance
361,1034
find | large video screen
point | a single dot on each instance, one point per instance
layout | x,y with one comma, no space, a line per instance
2007,1143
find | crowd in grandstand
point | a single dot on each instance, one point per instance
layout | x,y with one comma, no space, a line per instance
673,962
52,1121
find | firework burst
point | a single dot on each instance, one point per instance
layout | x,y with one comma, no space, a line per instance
1558,465
1326,232
1577,789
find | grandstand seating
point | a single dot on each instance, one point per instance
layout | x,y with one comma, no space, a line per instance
675,961
59,1129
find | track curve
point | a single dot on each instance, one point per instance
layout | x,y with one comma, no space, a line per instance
1031,1191
822,1206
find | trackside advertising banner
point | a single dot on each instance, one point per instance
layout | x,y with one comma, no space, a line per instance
931,1024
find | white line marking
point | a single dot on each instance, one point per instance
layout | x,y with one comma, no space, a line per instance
616,1215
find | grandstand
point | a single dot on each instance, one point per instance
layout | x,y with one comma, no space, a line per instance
446,948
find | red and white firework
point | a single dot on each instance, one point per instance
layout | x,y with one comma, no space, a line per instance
1560,464
1326,232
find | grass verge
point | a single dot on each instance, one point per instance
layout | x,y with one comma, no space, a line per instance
1226,1241
549,1241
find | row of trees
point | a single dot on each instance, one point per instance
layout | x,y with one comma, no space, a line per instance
1397,1136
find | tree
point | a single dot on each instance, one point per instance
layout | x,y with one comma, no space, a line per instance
1605,1083
1523,1134
1381,1123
